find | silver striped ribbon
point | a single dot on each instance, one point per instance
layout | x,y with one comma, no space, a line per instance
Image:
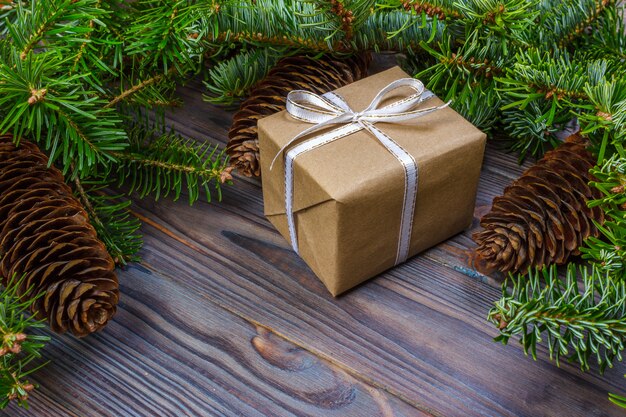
332,109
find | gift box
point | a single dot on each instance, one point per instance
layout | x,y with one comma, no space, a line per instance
353,210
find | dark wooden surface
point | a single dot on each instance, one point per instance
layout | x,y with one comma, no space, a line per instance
223,319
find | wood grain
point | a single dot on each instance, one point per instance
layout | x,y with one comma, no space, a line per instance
223,319
172,352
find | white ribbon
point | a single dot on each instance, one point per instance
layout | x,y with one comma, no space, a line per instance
331,109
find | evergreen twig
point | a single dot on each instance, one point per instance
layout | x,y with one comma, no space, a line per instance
161,163
232,79
576,324
19,350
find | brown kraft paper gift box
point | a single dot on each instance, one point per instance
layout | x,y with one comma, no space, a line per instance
348,194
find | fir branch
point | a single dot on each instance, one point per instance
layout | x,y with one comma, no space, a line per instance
563,22
111,217
466,79
538,75
341,19
476,67
288,41
345,17
608,40
291,23
478,103
576,324
441,9
618,400
162,163
544,91
604,116
18,348
592,14
127,93
83,46
164,35
457,67
232,79
609,252
31,40
58,21
508,18
57,111
529,131
8,15
312,26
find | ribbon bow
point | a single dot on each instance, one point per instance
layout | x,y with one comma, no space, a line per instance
331,109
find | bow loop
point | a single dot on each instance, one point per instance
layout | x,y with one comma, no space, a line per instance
331,108
311,108
401,105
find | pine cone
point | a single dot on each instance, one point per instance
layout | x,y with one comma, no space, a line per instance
269,97
46,238
542,218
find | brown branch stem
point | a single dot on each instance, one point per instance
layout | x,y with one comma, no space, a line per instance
578,29
431,10
134,158
85,199
134,89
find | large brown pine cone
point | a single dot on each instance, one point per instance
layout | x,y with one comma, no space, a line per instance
46,238
542,218
269,96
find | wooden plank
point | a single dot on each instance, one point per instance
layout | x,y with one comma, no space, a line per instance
419,330
172,352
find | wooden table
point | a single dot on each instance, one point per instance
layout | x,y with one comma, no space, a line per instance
223,319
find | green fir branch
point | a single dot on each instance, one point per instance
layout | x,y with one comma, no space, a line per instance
562,22
8,14
529,131
467,80
396,30
20,350
231,80
603,117
160,164
578,324
313,27
57,112
608,39
608,252
440,9
142,92
110,215
164,35
618,400
541,92
341,18
574,28
62,22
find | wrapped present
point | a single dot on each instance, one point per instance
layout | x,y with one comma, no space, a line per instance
360,179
